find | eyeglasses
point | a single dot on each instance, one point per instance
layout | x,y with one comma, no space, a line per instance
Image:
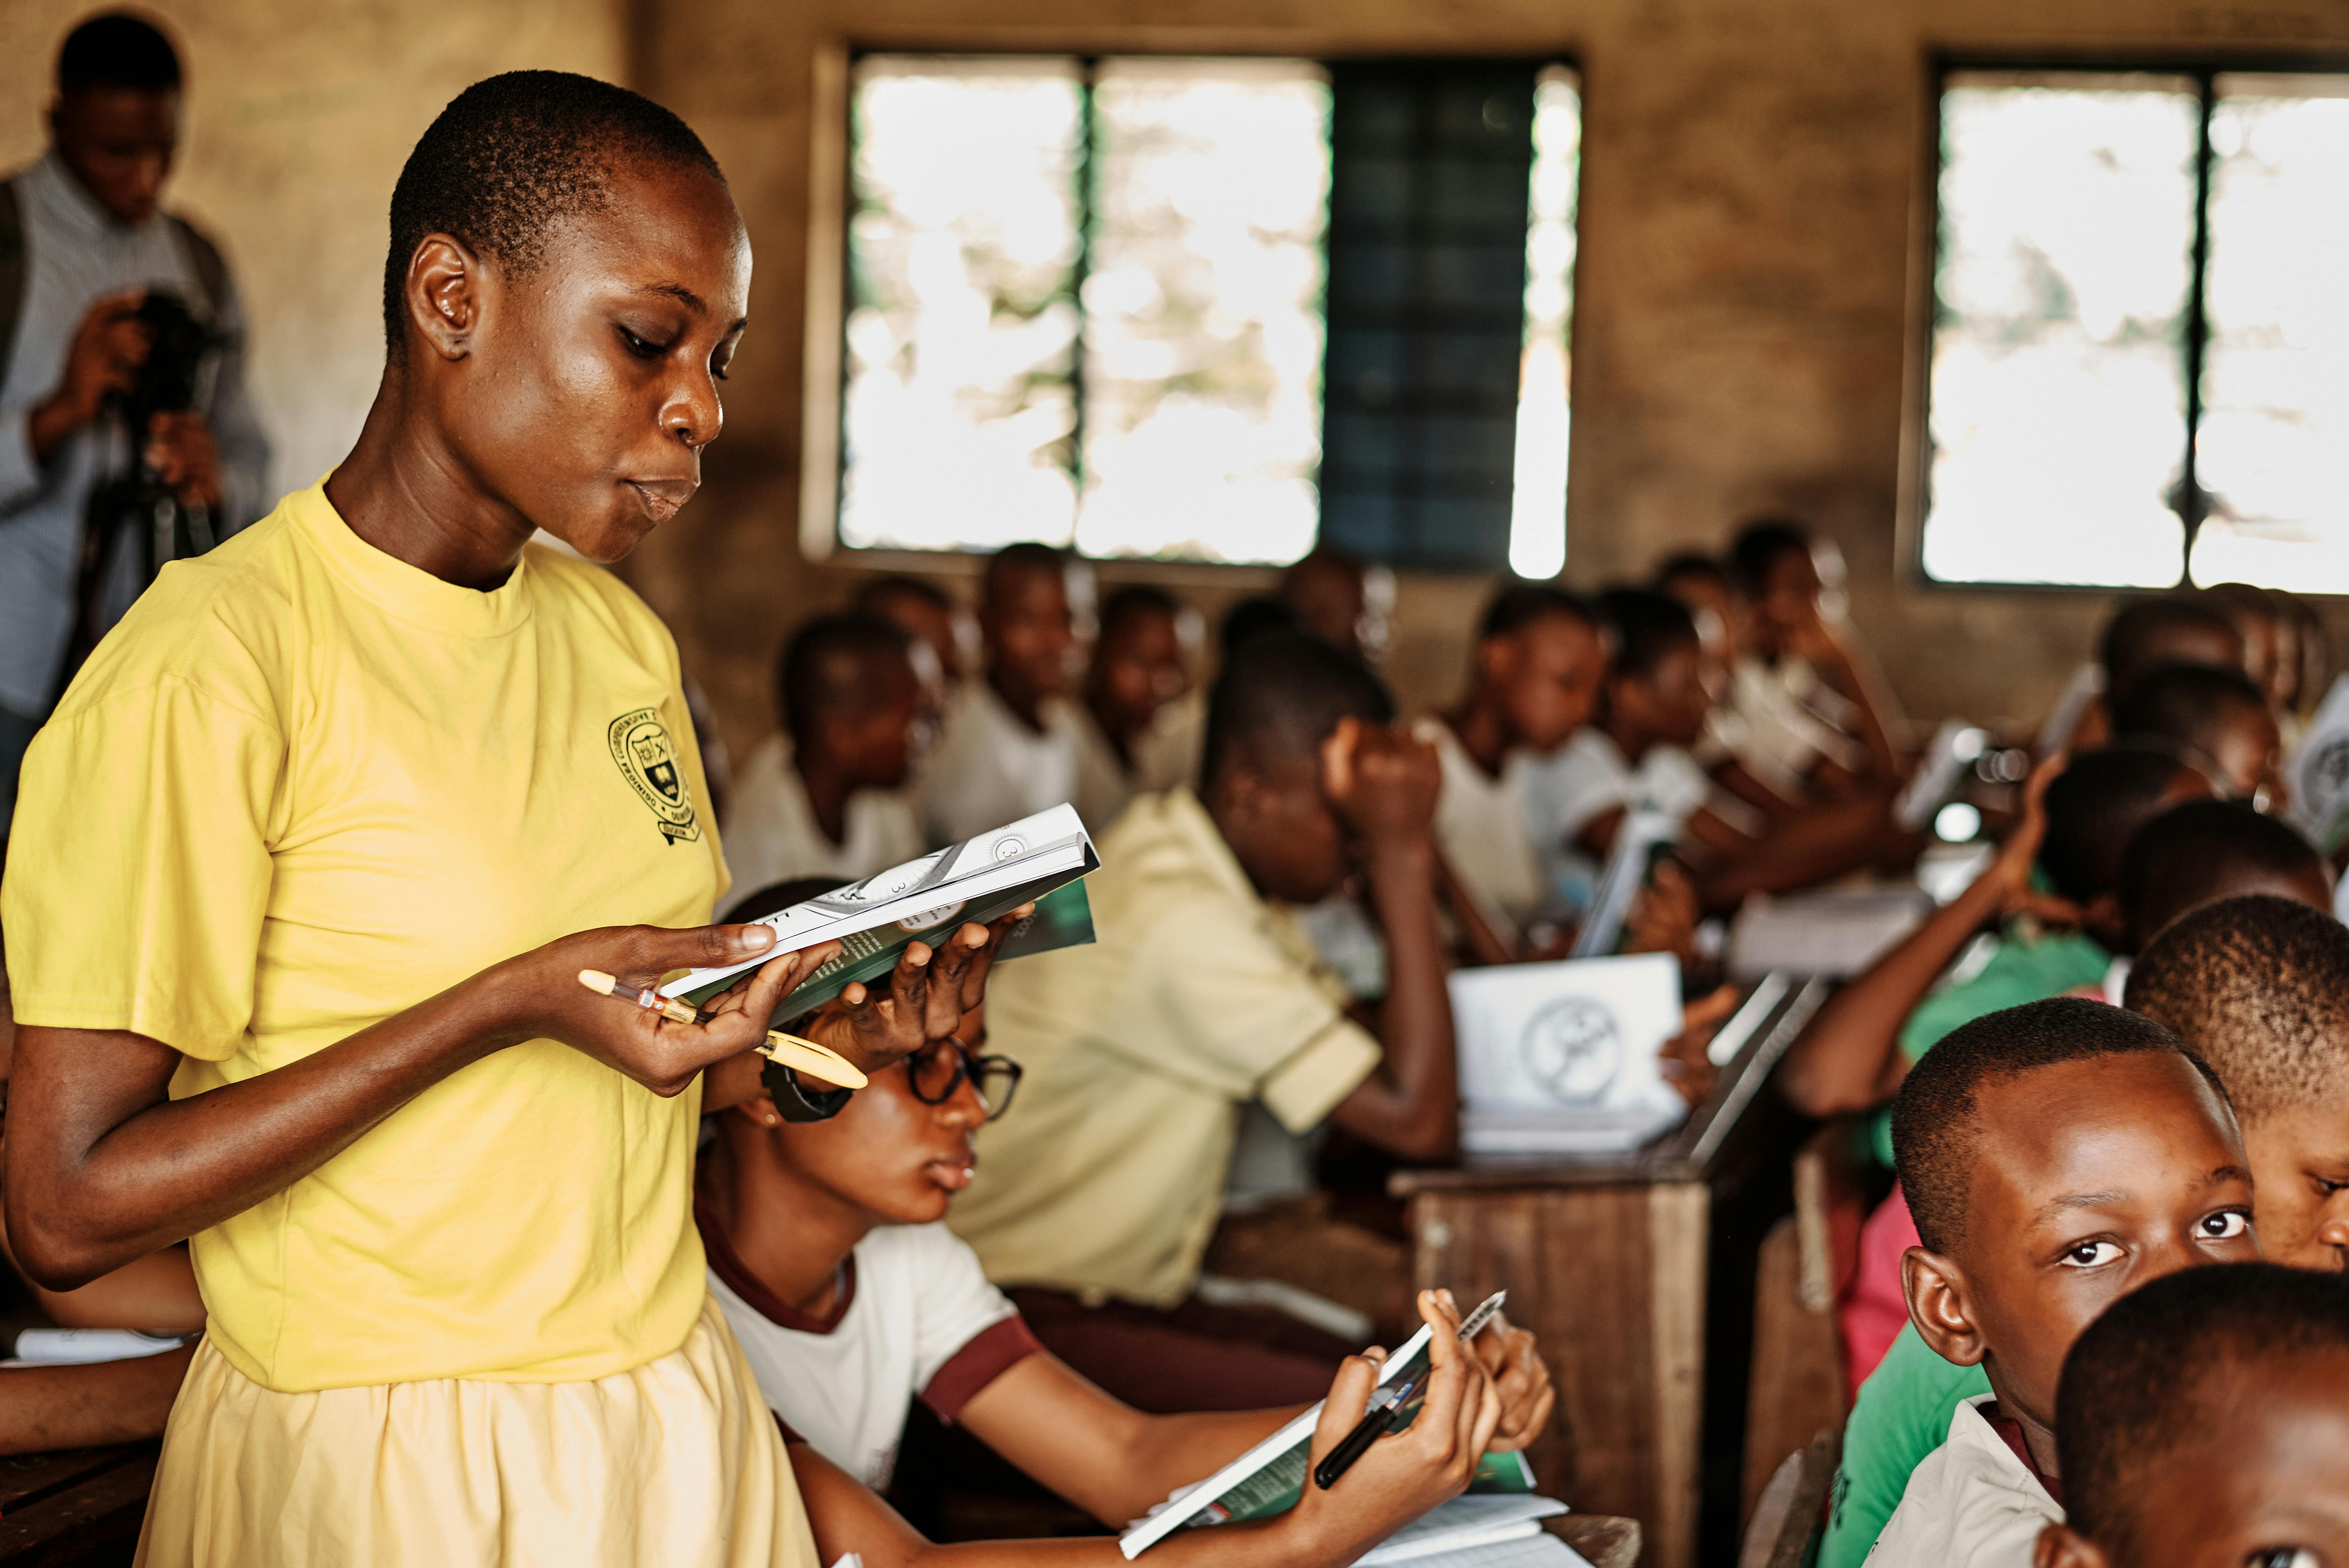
937,1071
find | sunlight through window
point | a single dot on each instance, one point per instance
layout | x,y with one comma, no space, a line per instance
1537,511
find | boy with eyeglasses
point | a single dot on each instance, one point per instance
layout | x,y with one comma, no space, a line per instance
849,1297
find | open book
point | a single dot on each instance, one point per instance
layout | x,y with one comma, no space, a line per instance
1270,1478
1035,859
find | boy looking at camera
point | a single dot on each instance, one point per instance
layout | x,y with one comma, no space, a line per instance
2055,1156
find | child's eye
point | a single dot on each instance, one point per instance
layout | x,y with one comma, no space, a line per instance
641,348
2089,1254
2283,1557
2225,1225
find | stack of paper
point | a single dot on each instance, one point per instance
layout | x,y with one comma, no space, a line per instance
1465,1521
1560,1058
1831,934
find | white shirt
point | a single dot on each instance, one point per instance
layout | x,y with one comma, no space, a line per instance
1786,720
1972,1503
1104,788
919,1318
770,833
1482,826
991,768
1572,788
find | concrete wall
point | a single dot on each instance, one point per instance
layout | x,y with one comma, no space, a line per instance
1749,288
299,117
1753,224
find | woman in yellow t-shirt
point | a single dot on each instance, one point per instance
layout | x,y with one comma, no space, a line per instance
286,909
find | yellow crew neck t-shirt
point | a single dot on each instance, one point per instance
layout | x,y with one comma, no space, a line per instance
304,785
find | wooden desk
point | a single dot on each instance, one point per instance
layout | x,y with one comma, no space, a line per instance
1625,1266
79,1509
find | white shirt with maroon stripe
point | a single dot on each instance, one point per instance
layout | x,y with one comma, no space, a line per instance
915,1316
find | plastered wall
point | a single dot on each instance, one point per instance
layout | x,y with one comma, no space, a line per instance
1750,285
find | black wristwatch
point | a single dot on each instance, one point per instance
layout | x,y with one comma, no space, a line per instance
795,1100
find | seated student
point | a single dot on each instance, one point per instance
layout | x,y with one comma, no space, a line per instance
1403,1476
1009,746
2056,1156
1533,680
47,1408
2259,987
2204,1421
1341,601
2150,634
2266,634
1806,704
823,798
1202,995
926,614
851,1299
2219,719
1132,739
2205,850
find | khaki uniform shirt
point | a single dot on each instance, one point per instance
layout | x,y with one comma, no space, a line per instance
1106,1175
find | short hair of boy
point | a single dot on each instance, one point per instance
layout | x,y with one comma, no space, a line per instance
899,586
2202,850
2145,1378
1258,615
2191,704
1690,564
118,49
835,664
2145,634
1648,628
513,158
1133,600
1282,700
1025,556
1758,548
2096,807
2260,986
1936,1120
1515,608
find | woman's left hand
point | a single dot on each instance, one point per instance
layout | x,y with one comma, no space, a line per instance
924,1002
1522,1379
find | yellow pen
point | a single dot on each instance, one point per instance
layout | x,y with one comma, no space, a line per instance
792,1051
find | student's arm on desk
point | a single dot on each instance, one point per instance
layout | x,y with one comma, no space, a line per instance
1850,1058
1116,1461
1383,783
1403,1476
47,1408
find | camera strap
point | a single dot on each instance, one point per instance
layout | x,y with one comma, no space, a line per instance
13,279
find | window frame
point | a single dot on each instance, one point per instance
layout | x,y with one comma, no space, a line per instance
830,285
1915,482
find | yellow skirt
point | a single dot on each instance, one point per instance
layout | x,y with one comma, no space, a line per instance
677,1464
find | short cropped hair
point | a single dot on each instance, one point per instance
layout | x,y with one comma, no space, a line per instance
2204,850
513,158
1758,548
1936,1120
1258,615
2147,1377
1133,600
898,585
1282,698
2096,807
1024,556
2137,637
2259,987
1517,608
1646,627
835,664
118,49
1690,564
2191,704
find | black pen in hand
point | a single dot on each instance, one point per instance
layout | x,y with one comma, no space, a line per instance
1376,1423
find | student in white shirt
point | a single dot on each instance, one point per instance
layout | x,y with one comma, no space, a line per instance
1532,679
850,1298
1011,739
1140,671
825,797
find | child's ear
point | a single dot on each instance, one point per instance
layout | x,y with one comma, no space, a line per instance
1935,1289
2060,1546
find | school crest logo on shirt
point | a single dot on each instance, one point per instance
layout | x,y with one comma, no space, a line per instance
640,745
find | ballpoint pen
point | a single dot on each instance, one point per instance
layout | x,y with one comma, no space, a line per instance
1375,1424
790,1050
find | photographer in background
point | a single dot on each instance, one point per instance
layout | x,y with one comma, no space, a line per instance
83,241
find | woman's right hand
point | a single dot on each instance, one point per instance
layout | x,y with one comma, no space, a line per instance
545,999
1404,1473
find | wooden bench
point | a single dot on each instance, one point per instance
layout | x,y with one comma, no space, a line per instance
78,1509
